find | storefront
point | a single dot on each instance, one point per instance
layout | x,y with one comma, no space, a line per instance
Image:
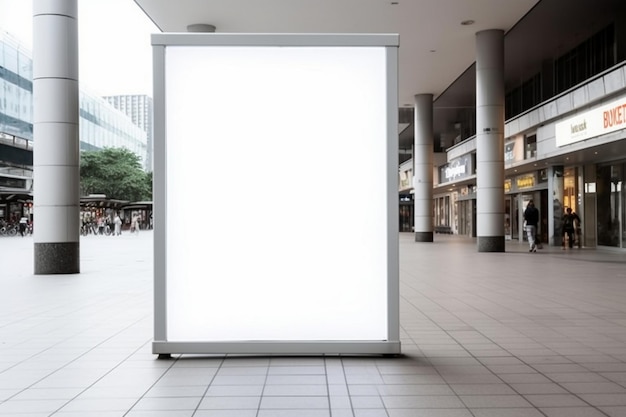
454,199
611,205
519,190
467,211
406,209
407,220
596,192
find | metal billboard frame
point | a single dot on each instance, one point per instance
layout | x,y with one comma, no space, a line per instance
162,345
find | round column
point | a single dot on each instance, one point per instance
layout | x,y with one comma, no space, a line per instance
423,168
490,140
56,175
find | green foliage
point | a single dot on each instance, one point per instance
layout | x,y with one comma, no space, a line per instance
149,185
115,172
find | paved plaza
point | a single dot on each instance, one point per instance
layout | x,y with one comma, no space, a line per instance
511,334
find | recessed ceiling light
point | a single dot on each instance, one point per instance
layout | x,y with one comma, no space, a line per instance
200,27
467,22
433,50
395,3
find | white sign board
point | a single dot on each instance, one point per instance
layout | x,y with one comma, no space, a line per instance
599,121
257,247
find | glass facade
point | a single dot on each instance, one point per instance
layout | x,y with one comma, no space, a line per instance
101,125
611,205
139,109
16,87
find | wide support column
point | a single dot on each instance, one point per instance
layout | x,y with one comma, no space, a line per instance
490,140
423,168
56,137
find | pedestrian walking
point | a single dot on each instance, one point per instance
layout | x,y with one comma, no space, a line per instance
134,225
571,221
117,221
23,225
531,220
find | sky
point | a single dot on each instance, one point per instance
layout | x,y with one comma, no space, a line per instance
115,55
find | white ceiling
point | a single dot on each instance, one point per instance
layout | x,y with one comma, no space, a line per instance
434,47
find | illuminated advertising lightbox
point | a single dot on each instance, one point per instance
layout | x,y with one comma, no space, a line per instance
258,141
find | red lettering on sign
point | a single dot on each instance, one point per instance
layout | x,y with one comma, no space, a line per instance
614,116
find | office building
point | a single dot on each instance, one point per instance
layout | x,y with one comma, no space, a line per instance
100,124
139,109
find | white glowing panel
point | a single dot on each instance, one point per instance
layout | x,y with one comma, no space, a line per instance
275,195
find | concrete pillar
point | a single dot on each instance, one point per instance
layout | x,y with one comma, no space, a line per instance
56,175
490,140
423,168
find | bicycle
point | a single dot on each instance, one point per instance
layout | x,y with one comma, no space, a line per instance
8,229
88,228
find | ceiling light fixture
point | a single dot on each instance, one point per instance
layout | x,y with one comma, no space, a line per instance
201,27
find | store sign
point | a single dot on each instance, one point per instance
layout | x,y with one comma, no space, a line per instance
507,185
456,169
525,181
596,122
405,179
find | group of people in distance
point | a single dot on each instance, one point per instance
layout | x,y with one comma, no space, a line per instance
570,223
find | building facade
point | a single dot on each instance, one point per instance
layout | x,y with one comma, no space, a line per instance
139,108
582,125
101,126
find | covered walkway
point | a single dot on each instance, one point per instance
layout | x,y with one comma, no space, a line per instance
509,334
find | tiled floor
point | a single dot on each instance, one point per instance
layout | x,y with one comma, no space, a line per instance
484,335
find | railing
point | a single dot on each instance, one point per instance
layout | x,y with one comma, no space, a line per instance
16,141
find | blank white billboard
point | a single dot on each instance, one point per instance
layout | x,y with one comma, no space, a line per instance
272,194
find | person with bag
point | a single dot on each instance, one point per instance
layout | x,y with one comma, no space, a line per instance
531,220
570,220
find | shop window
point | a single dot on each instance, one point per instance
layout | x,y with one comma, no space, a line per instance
570,196
531,146
609,195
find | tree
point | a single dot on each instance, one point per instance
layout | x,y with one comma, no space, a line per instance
149,185
115,172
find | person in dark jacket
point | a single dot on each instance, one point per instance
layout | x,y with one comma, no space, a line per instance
531,218
570,222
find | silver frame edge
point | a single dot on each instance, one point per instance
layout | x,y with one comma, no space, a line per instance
272,347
